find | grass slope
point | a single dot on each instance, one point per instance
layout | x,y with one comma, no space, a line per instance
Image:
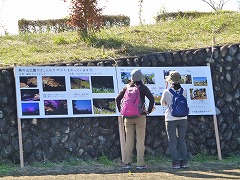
178,34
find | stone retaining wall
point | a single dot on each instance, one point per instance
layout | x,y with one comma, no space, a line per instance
54,140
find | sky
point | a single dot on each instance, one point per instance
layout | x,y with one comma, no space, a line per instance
13,10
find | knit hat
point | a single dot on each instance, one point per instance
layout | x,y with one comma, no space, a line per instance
136,75
174,77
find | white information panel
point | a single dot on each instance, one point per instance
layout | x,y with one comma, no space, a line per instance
197,81
69,91
64,91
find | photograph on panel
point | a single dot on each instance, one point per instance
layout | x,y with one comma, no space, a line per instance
82,106
80,82
104,106
55,107
198,94
125,77
167,73
149,78
28,81
186,79
53,83
30,95
157,98
102,84
29,109
200,81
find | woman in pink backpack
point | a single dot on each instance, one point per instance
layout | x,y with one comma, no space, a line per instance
137,123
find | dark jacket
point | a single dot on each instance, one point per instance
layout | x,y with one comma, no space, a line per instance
144,92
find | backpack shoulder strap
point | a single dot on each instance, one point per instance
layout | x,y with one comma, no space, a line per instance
174,93
177,94
181,91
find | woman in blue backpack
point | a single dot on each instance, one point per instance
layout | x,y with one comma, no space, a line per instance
175,126
137,124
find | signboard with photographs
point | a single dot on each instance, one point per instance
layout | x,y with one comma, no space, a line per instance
197,81
50,91
57,92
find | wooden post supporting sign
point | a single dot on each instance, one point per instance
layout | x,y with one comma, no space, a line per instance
217,137
122,136
20,142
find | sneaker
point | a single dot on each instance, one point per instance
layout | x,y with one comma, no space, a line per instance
184,165
175,166
141,167
126,166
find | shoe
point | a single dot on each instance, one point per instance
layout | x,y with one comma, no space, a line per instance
126,166
141,167
184,166
175,166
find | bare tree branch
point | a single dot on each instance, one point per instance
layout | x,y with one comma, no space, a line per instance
216,6
238,4
140,11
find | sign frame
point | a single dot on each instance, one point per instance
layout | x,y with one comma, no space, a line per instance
154,78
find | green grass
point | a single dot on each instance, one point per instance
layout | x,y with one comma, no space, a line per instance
156,160
198,160
47,165
6,169
66,47
203,158
105,161
75,162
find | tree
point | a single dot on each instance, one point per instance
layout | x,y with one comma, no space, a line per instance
85,16
216,6
238,3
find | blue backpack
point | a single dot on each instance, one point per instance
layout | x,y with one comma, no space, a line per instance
179,104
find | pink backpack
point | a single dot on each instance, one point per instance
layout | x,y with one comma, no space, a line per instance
131,103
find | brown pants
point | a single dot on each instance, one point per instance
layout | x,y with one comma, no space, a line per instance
137,125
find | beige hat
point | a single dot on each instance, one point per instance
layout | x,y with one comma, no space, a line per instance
174,77
136,75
